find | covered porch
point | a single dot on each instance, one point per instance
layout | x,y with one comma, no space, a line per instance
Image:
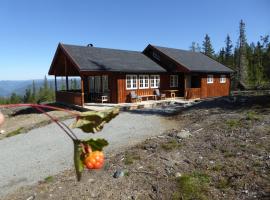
81,90
192,86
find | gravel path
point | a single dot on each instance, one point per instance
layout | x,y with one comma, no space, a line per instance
27,158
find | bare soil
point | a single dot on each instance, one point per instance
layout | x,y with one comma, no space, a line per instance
21,120
227,156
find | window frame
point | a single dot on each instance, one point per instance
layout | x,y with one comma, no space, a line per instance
133,79
156,81
145,81
222,78
210,79
173,81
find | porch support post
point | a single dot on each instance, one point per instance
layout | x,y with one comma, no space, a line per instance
55,83
82,87
67,87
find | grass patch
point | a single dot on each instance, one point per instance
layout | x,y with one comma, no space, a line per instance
217,167
48,179
130,158
252,115
192,186
233,123
223,183
170,145
15,132
229,154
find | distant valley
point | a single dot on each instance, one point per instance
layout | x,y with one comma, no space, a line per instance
19,87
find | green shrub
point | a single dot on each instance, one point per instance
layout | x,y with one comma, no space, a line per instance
16,132
192,186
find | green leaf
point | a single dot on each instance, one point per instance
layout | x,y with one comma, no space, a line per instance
93,121
78,163
96,144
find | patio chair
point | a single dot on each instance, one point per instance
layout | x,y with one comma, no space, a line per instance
103,97
160,95
134,96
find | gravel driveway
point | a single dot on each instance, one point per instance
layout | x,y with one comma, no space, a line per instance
42,152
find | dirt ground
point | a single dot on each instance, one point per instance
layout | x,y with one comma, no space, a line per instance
218,149
21,120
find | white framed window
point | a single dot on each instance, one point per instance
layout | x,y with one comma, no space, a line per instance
143,81
154,81
131,82
156,55
222,79
210,79
173,80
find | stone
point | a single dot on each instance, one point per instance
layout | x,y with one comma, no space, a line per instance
178,174
119,173
31,197
183,134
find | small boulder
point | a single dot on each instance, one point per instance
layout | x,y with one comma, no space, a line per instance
177,174
119,173
183,134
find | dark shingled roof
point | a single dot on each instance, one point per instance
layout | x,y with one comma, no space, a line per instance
194,61
103,59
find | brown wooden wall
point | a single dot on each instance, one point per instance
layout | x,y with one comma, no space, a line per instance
69,97
123,95
216,88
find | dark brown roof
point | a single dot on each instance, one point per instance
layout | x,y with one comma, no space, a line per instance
103,59
194,61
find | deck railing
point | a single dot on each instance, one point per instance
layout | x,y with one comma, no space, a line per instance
192,93
70,97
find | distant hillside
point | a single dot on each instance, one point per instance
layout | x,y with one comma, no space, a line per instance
19,87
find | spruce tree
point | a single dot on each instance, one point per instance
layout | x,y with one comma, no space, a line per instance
27,96
228,52
207,47
242,65
221,56
34,93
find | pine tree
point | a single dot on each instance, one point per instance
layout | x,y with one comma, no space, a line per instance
207,47
242,65
14,98
34,93
195,47
27,96
221,56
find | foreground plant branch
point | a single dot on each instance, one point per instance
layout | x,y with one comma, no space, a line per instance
87,153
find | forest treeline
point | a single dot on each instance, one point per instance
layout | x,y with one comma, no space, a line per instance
43,94
251,62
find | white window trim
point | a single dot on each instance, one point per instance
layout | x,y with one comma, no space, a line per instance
222,79
143,78
173,81
210,79
133,78
156,79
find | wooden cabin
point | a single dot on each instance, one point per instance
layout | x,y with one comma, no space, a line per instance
111,75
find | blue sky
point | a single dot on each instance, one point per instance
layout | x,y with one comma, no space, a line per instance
31,29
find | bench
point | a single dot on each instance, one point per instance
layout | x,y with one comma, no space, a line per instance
147,96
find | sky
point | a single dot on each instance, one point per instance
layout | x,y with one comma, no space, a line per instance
30,30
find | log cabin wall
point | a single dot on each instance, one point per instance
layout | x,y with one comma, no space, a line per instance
123,94
216,88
